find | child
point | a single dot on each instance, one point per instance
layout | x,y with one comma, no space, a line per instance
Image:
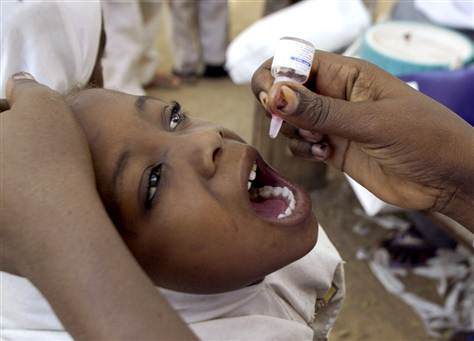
177,190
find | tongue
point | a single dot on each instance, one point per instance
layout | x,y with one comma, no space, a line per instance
270,208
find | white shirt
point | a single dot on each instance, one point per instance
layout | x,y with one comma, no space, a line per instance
289,304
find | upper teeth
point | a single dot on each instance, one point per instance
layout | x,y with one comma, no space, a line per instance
285,192
252,175
270,191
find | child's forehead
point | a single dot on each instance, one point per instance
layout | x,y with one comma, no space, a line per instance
98,100
106,96
91,105
97,105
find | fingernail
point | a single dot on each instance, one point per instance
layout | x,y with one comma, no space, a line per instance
320,150
263,97
280,102
22,75
288,101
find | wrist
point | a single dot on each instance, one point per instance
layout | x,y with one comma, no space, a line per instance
461,209
461,205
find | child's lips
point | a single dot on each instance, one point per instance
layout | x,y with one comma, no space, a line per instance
271,207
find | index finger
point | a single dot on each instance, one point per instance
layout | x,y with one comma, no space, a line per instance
18,78
262,79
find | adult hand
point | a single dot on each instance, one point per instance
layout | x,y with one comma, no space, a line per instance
45,159
404,147
54,229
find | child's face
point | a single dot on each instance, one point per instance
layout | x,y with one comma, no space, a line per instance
177,190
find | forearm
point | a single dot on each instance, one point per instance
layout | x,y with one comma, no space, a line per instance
54,229
92,282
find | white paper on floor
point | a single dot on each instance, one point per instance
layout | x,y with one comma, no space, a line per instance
387,221
454,271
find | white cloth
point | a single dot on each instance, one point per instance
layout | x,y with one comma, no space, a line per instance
371,204
130,58
56,41
286,305
452,13
329,24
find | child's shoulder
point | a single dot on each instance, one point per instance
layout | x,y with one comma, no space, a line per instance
306,283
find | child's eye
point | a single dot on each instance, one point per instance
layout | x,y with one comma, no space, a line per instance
176,116
175,119
153,182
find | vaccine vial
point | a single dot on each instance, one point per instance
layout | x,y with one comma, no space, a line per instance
291,62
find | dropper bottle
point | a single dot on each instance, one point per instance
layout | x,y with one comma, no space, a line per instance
291,63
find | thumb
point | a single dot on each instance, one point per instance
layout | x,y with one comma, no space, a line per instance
23,91
17,80
307,110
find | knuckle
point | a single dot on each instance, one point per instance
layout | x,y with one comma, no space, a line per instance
28,88
317,112
45,94
39,97
257,83
300,148
260,77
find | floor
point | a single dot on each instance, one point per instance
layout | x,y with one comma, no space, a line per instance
369,312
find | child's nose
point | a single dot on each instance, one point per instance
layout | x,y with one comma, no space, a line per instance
203,150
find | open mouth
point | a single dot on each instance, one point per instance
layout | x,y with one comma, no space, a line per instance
274,198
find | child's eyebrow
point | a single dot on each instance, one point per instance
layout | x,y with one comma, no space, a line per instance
120,166
142,113
140,103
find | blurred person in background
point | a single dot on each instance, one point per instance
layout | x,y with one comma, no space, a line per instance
131,59
200,38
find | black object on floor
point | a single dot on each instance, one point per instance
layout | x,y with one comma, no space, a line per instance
419,243
408,248
215,71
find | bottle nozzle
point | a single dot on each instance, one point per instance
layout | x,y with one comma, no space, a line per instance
275,126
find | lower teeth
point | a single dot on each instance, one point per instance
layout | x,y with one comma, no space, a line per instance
269,191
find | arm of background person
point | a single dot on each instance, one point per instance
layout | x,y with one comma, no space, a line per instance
54,229
406,148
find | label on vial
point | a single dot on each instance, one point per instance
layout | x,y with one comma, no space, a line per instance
294,54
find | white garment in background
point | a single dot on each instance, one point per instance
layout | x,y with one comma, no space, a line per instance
200,33
329,24
130,58
287,305
56,41
452,13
